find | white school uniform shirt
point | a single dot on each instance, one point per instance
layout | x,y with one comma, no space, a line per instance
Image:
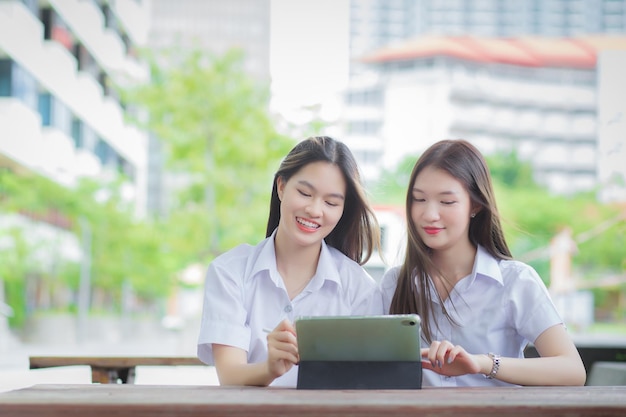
499,308
244,293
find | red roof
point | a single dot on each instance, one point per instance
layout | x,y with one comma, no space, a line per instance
526,51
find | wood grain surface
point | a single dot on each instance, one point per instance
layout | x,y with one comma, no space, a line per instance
96,400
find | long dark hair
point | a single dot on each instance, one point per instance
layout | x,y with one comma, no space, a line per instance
464,162
357,233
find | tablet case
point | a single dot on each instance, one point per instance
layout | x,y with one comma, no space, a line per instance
359,352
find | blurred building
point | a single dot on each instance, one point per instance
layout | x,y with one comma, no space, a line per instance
378,23
561,18
59,116
506,75
536,95
215,26
611,98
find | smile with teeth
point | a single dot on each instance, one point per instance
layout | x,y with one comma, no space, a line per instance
307,223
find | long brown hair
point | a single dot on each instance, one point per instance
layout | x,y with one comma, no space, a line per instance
464,162
357,234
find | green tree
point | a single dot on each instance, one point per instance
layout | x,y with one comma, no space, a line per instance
124,248
508,169
214,122
392,185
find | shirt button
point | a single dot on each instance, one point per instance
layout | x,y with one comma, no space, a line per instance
288,308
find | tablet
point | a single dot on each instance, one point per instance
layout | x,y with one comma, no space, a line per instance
359,338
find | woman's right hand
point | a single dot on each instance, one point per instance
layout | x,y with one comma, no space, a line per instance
282,349
447,359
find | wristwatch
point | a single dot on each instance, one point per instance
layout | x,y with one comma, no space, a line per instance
496,365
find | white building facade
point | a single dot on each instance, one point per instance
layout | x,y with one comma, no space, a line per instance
59,116
537,96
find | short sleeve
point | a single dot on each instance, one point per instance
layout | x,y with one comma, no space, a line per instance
387,288
224,315
533,309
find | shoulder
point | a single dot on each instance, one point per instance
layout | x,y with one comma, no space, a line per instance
243,259
348,270
389,280
238,253
519,277
387,287
509,272
514,270
339,259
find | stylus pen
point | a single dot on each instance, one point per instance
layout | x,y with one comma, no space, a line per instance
267,330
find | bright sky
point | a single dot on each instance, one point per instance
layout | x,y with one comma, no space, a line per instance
308,51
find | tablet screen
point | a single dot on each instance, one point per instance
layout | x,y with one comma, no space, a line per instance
359,338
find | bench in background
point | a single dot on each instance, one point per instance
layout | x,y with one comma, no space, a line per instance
112,369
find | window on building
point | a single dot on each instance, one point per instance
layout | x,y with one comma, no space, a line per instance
86,61
55,28
368,157
104,152
16,82
103,80
5,77
364,127
45,108
127,169
54,113
77,132
372,97
90,138
31,5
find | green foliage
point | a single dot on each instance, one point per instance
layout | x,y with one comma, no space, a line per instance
508,169
13,266
219,138
121,249
534,217
391,187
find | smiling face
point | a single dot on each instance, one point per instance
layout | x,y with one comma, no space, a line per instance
312,203
440,210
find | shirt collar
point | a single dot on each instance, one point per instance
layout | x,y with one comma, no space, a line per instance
327,267
485,265
266,261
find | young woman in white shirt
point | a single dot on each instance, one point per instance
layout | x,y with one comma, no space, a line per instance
479,307
320,230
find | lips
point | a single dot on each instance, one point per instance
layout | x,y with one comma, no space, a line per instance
432,230
307,224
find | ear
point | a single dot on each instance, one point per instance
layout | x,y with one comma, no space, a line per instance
280,187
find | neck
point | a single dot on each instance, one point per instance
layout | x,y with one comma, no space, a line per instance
296,264
455,263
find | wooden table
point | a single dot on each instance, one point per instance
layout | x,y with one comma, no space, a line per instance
95,400
112,369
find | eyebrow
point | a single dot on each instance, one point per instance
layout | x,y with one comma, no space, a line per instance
415,189
308,184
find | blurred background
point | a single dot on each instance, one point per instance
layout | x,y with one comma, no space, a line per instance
138,140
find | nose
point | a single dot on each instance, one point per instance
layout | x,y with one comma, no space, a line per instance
431,212
314,208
